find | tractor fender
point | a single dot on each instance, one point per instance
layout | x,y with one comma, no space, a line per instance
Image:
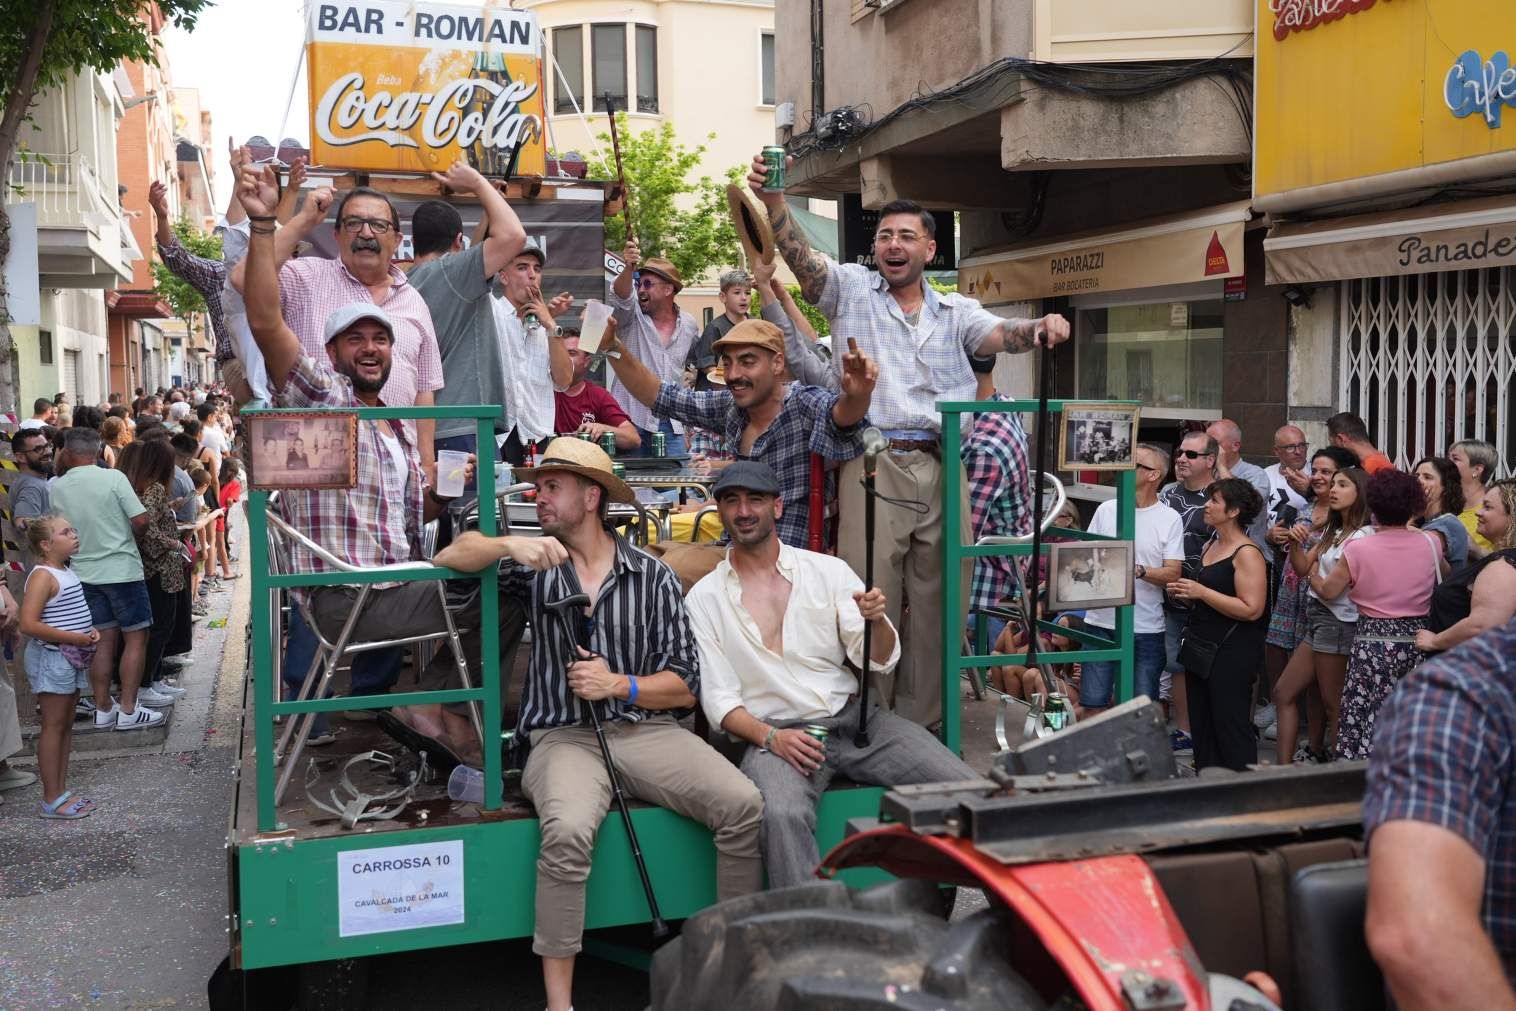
1104,922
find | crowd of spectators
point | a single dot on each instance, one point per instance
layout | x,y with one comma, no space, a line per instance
117,539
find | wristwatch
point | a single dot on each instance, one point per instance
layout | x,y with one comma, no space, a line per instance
557,331
1142,572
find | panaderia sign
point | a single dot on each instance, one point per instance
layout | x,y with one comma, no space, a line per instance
413,87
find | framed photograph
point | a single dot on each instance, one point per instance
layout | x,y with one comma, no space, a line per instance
312,450
1098,437
1088,574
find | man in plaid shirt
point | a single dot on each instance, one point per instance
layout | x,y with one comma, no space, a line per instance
206,276
1000,490
1440,818
378,521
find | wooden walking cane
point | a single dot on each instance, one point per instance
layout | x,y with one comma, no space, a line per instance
626,194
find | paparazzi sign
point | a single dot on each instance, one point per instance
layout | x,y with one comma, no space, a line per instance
413,87
399,888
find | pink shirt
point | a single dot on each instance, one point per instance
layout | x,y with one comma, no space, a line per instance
1393,573
310,288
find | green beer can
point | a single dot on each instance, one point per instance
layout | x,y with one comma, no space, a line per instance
817,731
619,470
660,444
608,443
774,160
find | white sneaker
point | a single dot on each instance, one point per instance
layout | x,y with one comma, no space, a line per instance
1264,716
1271,732
164,688
156,699
139,720
106,717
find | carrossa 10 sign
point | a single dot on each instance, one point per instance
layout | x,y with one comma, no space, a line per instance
413,87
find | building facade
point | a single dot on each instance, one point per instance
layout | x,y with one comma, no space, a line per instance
1393,217
71,239
1096,155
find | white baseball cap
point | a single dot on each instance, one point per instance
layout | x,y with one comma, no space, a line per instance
340,319
178,410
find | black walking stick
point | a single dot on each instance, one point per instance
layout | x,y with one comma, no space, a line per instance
566,610
874,443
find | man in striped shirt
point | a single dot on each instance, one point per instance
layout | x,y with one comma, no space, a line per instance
643,672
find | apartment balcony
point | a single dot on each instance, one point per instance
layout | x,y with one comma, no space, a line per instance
82,239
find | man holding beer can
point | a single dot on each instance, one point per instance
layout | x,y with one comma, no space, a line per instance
775,626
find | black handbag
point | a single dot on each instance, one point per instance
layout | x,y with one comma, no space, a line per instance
1197,655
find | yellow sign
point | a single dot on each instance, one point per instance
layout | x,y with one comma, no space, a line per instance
413,87
1348,89
1179,249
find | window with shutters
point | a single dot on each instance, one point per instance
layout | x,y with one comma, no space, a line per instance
608,61
647,68
71,375
1429,359
568,83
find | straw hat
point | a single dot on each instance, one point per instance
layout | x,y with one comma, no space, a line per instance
586,459
751,219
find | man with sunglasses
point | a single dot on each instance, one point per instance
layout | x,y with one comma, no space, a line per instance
367,228
922,342
1194,470
658,333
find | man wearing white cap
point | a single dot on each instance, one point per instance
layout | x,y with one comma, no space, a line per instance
378,521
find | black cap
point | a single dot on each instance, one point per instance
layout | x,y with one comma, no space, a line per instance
749,475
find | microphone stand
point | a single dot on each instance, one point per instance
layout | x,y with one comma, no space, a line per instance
870,464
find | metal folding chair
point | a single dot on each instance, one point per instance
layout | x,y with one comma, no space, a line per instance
331,652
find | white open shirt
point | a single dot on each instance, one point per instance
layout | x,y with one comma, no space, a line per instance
822,627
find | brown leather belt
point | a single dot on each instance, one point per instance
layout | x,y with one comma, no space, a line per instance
914,446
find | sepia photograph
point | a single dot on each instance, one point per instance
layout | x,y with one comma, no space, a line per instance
1089,574
1098,437
312,450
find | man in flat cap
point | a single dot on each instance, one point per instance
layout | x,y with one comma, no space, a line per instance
776,626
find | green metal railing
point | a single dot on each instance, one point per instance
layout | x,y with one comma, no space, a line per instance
1097,647
488,690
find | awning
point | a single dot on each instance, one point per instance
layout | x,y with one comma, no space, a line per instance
1177,249
1455,236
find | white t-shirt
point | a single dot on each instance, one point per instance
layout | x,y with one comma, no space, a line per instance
1160,536
31,423
1283,495
213,439
1341,606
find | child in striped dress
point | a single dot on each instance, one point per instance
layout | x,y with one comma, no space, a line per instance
61,641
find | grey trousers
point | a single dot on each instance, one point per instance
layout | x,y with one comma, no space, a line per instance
900,752
414,608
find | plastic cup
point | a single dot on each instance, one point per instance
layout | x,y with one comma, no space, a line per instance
466,785
592,326
452,473
502,475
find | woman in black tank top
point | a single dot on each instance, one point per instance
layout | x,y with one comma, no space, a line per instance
1229,596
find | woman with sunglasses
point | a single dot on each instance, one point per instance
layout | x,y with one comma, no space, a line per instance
1331,620
1287,624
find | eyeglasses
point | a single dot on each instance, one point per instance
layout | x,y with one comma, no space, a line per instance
376,225
906,236
1294,447
1192,454
646,282
38,449
1143,466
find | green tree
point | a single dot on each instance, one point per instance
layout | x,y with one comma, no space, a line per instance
818,321
697,238
42,44
180,295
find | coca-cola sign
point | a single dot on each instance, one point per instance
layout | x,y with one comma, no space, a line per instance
1303,15
414,86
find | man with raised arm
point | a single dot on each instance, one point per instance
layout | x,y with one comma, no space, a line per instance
378,521
922,342
777,626
657,331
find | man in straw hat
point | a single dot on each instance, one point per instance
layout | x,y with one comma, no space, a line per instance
657,331
763,418
379,520
922,342
643,670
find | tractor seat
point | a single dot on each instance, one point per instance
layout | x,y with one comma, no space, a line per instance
1333,967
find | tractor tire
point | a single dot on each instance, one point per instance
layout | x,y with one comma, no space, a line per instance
823,947
338,985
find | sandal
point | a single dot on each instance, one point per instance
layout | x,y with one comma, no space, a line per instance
67,808
442,757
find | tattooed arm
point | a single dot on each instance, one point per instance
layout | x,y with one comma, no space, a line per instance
1016,336
810,267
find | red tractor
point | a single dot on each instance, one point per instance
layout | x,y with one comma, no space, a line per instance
1112,884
